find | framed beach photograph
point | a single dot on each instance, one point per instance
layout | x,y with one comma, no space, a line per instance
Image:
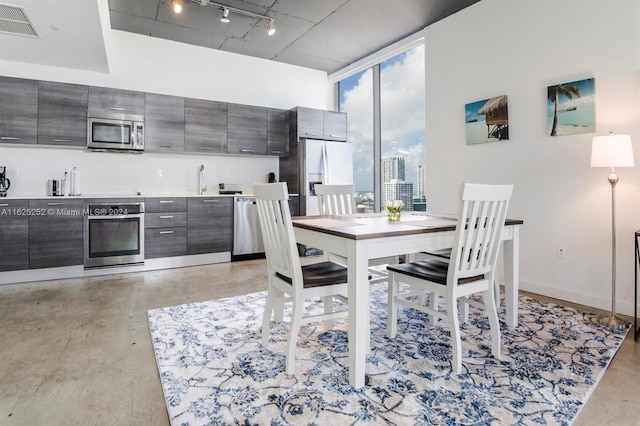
487,120
571,108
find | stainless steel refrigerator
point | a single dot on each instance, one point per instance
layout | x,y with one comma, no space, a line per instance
316,162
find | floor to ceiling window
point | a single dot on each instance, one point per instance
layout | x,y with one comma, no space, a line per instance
402,122
395,88
356,99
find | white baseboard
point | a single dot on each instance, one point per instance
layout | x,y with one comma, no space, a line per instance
78,271
622,307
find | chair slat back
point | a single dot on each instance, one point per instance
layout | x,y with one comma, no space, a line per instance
336,199
482,213
277,231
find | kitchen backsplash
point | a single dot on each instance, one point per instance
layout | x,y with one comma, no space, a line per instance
103,173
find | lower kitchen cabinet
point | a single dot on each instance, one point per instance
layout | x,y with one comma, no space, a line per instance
165,223
210,225
14,235
55,233
165,242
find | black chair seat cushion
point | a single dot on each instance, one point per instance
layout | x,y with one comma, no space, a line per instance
320,274
444,253
430,270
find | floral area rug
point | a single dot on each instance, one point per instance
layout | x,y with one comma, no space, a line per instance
214,371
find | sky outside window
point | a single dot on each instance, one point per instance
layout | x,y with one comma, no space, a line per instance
402,116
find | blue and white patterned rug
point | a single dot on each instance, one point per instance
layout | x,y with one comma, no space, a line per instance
214,371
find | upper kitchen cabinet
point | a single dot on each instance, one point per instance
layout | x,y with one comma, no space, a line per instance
104,102
335,126
247,130
164,123
62,114
205,127
277,132
18,110
310,123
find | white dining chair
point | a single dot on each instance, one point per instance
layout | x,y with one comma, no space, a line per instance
444,255
288,280
470,270
336,199
340,200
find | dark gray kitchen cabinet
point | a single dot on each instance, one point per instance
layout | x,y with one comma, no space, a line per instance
335,126
18,110
14,235
209,225
247,130
105,102
164,123
311,123
55,233
277,132
165,223
62,114
205,128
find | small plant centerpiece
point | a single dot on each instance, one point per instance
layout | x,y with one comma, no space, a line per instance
393,210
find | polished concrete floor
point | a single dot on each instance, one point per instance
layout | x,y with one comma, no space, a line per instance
78,351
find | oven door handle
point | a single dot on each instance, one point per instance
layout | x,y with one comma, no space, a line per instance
108,217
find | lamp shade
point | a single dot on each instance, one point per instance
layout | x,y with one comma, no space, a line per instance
612,151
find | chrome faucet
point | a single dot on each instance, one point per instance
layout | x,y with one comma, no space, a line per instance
201,186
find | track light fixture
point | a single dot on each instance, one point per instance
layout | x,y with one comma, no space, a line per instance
225,16
176,6
271,30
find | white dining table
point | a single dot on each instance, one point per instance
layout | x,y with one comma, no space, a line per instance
361,237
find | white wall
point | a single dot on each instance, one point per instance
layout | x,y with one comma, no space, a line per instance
518,48
160,66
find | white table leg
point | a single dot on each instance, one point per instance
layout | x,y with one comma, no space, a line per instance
358,312
511,276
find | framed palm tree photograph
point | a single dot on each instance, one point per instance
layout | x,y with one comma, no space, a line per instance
571,108
487,120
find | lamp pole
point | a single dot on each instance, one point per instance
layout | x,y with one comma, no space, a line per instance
610,319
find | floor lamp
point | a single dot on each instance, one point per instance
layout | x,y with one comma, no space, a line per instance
612,151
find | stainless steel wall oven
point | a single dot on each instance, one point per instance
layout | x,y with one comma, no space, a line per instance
113,234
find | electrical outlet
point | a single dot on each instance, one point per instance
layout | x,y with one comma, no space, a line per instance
562,251
159,173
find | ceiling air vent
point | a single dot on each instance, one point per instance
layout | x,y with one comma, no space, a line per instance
14,20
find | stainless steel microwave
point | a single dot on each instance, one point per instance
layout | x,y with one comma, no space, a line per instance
118,133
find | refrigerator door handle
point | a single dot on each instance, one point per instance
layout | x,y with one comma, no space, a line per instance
325,165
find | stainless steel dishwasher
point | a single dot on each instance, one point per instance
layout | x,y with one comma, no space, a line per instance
247,236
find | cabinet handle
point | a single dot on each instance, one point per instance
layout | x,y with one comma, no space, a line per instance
4,205
166,232
166,217
55,204
166,201
62,140
205,149
9,138
337,136
116,109
210,201
165,146
247,150
311,133
276,152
